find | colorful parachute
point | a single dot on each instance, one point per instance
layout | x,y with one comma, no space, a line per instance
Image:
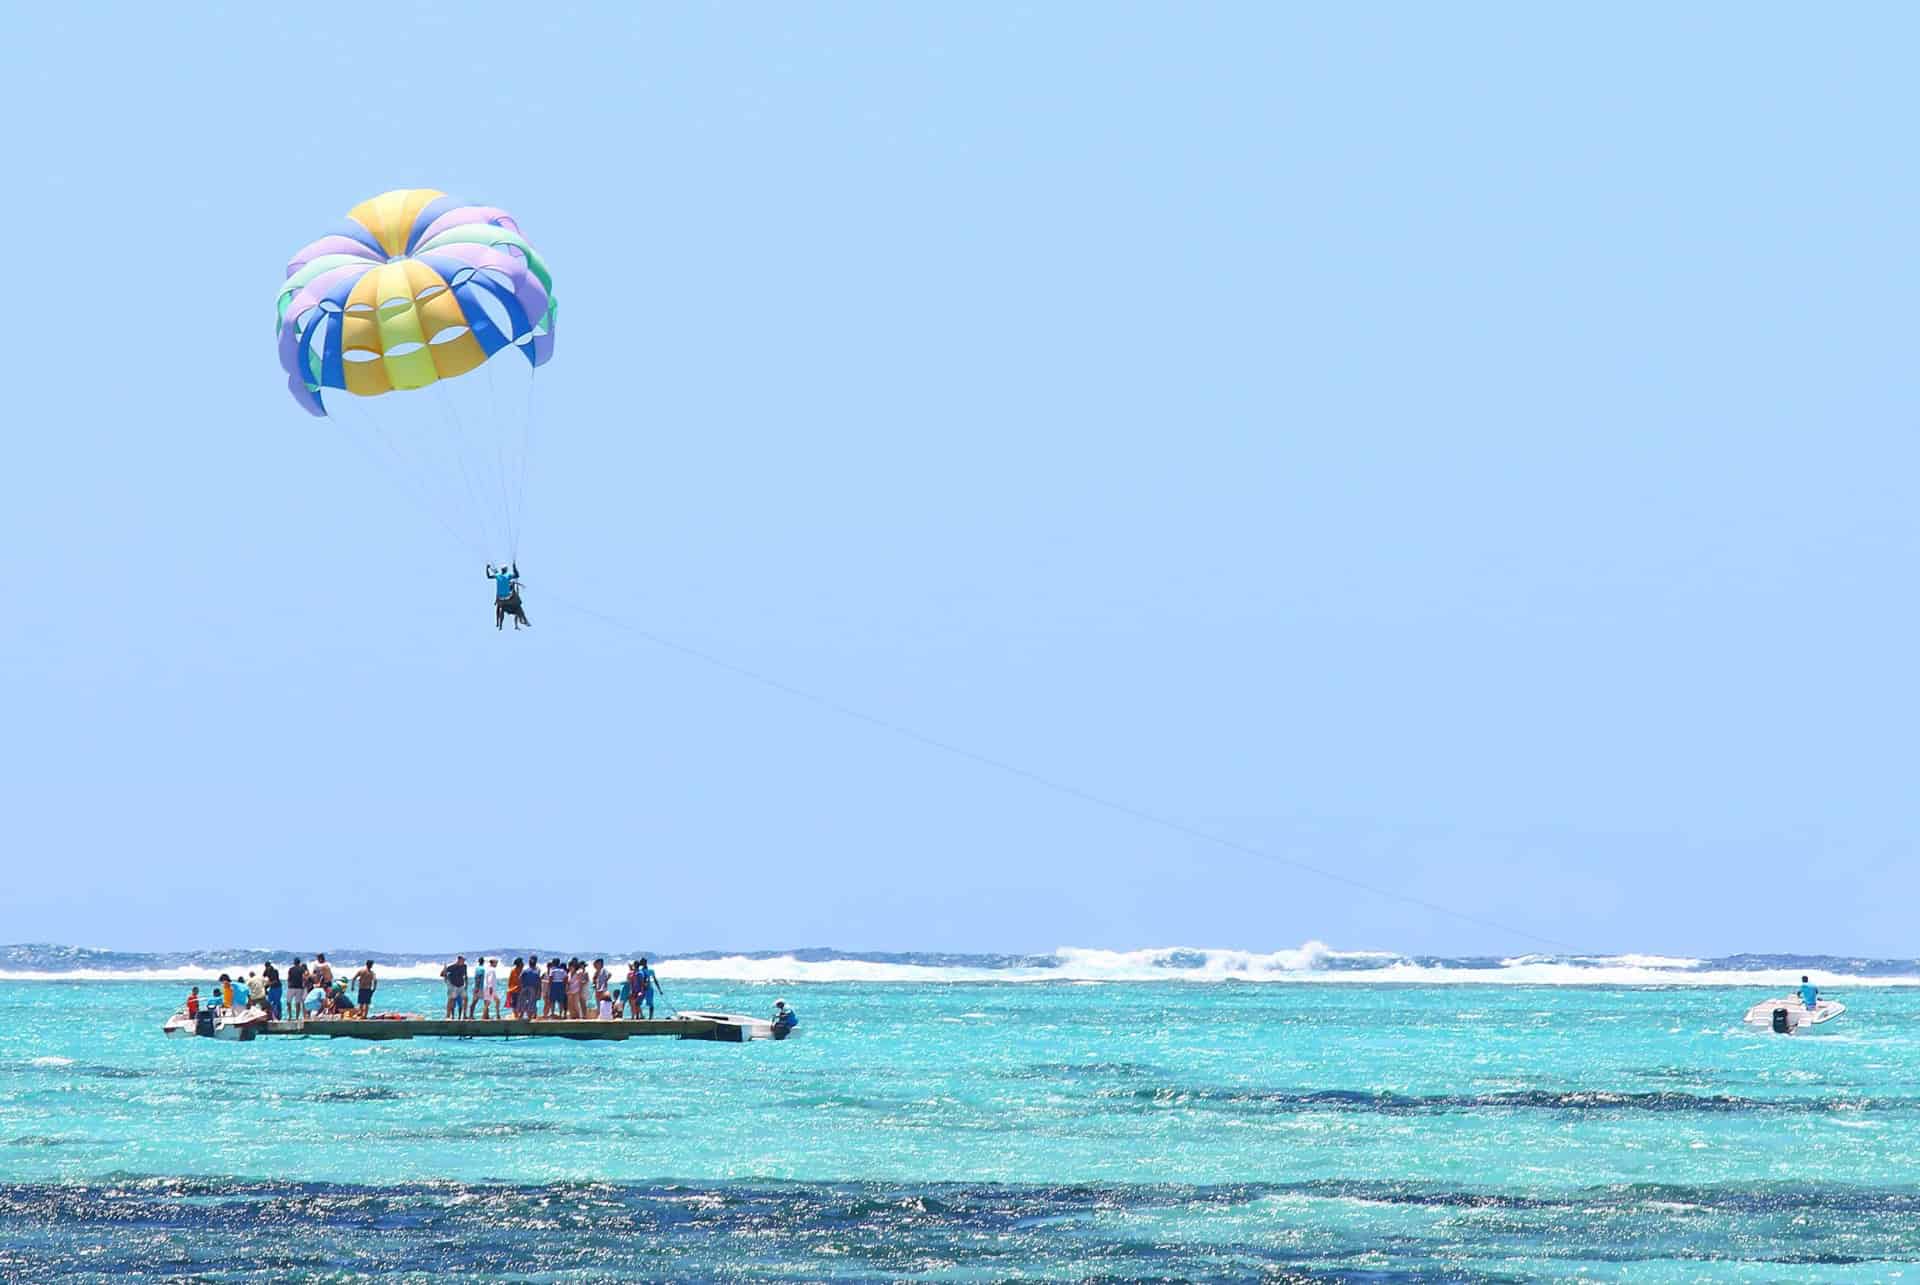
418,290
417,286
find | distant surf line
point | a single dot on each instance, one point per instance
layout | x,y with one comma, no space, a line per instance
1312,963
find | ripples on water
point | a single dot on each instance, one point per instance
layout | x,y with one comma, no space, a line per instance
978,1132
170,1228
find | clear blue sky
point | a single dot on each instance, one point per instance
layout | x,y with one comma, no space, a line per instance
1469,447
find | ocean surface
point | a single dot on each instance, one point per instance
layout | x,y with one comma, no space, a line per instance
1150,1115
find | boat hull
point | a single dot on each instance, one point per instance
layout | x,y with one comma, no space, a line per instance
218,1026
1789,1016
748,1028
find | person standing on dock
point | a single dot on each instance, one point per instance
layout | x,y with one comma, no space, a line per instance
321,974
366,981
478,999
272,976
556,988
576,990
526,999
296,990
490,990
455,976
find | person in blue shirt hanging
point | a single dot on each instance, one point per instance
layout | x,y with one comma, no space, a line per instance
1809,993
506,595
784,1020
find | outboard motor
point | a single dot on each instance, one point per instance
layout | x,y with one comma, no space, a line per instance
203,1022
1782,1025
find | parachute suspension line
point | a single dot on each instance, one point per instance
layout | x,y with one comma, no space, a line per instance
500,461
506,505
403,479
492,520
406,477
1046,782
456,447
526,462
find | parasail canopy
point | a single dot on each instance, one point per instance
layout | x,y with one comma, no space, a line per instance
414,287
419,290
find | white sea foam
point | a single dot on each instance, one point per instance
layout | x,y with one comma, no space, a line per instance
1313,962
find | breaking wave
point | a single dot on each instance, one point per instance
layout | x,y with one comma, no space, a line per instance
1313,962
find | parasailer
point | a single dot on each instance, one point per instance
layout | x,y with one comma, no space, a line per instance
506,596
394,318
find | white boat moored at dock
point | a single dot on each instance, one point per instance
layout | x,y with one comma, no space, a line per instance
750,1028
217,1023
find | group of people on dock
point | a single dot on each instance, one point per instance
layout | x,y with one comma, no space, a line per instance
529,991
307,991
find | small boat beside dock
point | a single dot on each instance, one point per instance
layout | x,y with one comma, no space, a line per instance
216,1023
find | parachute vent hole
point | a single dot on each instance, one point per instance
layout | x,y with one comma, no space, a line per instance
402,349
328,305
361,355
394,307
360,309
448,335
461,277
493,313
429,293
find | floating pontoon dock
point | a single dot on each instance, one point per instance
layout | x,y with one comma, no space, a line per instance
736,1031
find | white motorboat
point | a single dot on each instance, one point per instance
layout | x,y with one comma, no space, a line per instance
216,1023
751,1028
1789,1015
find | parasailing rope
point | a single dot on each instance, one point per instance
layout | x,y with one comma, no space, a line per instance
1053,784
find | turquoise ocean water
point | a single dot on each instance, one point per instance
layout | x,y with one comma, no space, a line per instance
1330,1129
